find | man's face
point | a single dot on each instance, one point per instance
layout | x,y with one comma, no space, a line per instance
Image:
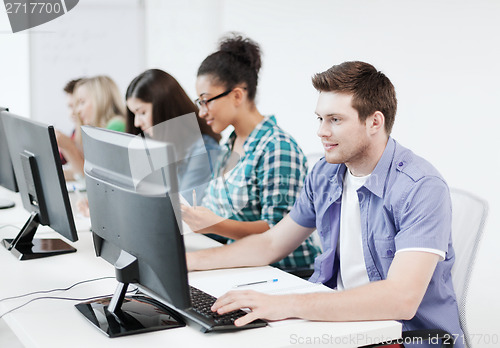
344,138
71,106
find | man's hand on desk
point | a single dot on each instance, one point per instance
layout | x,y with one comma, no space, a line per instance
262,306
200,219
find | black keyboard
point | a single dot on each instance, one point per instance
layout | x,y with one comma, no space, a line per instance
201,303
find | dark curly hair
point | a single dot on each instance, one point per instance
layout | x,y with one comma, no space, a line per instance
237,61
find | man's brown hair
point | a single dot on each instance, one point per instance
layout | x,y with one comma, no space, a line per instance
70,86
371,90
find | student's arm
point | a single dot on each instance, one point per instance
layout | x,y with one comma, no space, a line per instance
396,298
203,220
257,250
72,154
280,180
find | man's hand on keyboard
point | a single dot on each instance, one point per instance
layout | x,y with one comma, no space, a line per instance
262,306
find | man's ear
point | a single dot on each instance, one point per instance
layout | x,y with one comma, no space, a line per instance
375,122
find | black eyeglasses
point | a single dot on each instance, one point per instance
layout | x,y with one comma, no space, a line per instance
203,103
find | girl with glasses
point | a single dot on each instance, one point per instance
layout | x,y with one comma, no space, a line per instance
261,169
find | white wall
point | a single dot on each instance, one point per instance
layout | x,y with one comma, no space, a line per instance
14,68
442,56
96,37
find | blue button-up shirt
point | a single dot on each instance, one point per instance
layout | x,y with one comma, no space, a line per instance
405,203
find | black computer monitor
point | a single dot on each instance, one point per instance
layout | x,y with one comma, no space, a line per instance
7,177
37,166
132,193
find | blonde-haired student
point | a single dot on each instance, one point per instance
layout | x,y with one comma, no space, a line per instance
98,103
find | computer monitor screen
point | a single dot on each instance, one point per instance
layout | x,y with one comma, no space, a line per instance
7,177
37,166
132,193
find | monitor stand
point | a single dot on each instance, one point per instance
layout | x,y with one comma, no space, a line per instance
120,316
25,247
5,203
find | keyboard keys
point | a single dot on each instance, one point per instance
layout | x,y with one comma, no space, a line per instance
202,302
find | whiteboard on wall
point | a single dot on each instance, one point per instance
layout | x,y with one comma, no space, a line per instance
95,38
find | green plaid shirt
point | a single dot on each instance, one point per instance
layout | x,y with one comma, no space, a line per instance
263,185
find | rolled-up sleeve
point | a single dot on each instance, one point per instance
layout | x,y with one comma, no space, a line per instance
425,216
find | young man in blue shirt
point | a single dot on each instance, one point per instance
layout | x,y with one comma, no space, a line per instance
383,215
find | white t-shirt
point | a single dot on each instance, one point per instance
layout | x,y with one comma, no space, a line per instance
352,271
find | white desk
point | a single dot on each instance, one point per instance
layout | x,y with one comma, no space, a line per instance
57,323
